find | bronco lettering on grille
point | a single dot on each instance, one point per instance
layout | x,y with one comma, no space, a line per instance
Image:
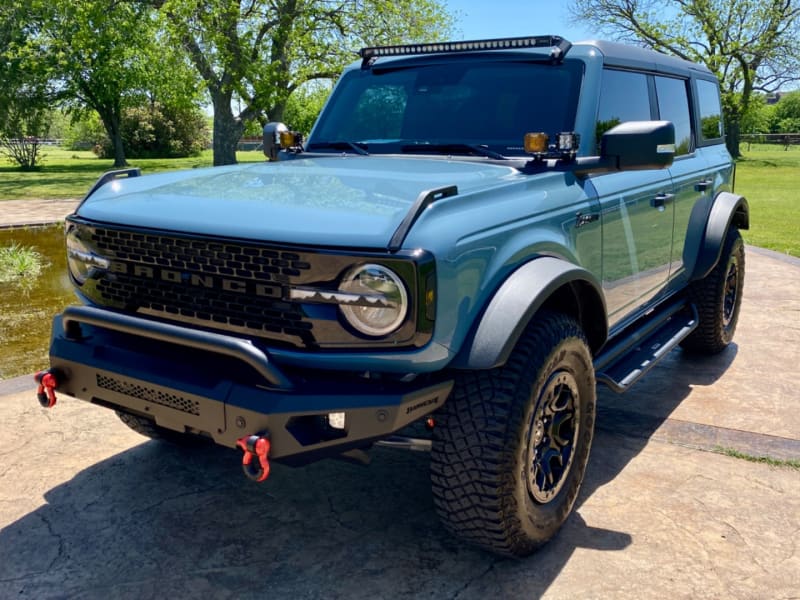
240,286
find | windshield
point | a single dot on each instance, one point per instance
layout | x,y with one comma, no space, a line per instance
492,104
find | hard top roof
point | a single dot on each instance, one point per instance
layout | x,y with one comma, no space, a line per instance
625,55
554,48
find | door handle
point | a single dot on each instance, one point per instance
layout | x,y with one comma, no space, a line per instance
661,200
703,185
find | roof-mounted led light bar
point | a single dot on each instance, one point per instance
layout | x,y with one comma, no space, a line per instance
558,45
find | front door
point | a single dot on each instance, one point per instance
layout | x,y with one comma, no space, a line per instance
637,223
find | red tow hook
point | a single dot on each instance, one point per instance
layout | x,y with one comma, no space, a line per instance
46,392
255,446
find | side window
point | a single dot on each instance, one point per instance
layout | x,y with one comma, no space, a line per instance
710,111
673,105
623,97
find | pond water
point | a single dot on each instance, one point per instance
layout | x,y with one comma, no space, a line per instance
27,307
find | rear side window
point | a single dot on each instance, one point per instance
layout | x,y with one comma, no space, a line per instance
673,105
710,111
623,97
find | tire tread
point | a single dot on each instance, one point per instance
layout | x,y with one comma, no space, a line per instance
472,457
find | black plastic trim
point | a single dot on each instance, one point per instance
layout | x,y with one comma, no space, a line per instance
425,199
110,176
728,209
514,305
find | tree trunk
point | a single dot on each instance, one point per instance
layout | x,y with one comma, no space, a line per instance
277,111
227,130
111,122
119,150
733,133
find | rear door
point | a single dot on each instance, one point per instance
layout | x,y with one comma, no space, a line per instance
690,174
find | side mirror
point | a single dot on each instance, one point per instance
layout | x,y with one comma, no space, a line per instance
278,137
639,145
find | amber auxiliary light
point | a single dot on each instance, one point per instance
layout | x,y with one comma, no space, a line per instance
536,143
565,147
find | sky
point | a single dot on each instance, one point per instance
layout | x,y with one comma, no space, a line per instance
478,19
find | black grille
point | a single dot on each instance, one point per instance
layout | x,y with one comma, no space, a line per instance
149,394
230,286
198,255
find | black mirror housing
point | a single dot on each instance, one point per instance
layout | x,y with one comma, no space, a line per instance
639,145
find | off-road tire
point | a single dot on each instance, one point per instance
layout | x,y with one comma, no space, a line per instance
148,428
718,297
481,473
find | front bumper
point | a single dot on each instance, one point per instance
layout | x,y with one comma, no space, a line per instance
225,387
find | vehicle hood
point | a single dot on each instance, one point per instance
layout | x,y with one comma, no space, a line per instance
330,201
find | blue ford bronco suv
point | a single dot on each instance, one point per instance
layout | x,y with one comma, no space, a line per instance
473,235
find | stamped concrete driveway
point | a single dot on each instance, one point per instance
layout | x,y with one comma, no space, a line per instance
88,509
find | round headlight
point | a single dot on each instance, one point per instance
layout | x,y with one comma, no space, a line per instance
76,253
382,301
80,258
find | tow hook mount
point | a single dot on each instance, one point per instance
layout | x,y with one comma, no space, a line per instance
46,392
255,462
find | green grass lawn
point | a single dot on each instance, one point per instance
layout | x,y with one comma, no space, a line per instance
70,173
767,176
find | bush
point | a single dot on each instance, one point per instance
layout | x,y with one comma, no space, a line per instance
24,121
158,131
85,133
24,152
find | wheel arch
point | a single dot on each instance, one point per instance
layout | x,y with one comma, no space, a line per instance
728,209
543,283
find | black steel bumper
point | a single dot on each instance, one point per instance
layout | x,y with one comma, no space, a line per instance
224,387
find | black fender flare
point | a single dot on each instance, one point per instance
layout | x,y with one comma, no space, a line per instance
728,209
545,281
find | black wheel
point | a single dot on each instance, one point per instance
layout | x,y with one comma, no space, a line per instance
510,446
718,297
148,428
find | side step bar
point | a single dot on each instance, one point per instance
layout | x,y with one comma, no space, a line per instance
641,348
406,443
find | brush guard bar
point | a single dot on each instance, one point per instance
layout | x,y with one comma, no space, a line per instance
238,348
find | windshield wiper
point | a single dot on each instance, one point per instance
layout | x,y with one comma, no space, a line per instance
453,148
357,147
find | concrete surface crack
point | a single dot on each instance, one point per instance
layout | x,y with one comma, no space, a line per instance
58,537
336,516
175,497
747,544
472,580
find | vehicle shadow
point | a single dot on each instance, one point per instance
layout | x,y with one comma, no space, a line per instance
162,521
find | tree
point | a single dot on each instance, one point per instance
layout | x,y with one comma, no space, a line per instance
24,108
758,117
751,45
94,55
258,52
787,113
304,106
